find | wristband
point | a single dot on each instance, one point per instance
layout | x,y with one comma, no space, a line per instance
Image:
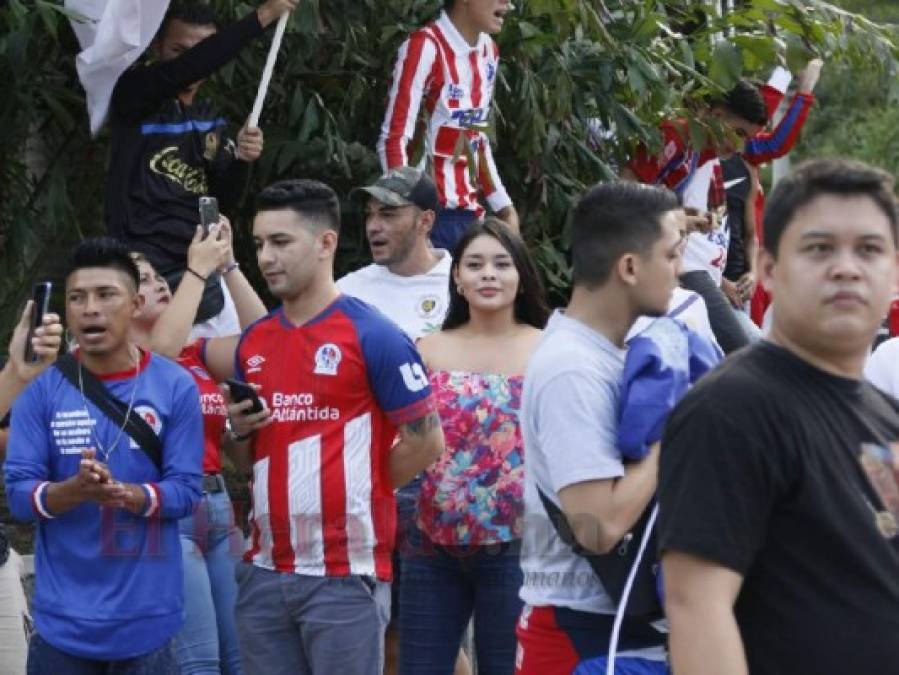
230,268
197,275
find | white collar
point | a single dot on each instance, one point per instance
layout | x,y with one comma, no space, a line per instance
454,37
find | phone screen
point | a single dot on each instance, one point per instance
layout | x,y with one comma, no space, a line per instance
41,297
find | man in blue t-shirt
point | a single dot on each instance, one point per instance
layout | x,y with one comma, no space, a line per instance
107,555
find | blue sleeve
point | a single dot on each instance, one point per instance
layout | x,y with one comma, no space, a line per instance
396,373
28,452
704,355
178,491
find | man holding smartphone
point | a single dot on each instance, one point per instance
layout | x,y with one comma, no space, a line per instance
340,381
169,148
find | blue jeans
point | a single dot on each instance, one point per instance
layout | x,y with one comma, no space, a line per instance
449,227
442,586
43,658
210,546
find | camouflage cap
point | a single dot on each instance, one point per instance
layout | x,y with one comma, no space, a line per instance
403,186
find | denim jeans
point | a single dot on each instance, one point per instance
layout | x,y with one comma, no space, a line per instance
442,586
211,545
44,659
450,226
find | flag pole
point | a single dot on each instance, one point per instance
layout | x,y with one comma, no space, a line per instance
267,71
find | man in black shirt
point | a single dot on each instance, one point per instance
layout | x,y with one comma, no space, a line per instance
778,492
169,148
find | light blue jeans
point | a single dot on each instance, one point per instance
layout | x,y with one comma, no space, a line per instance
211,546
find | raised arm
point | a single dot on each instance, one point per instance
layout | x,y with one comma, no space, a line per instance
16,374
145,86
172,329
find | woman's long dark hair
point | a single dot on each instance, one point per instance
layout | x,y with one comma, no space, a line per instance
530,303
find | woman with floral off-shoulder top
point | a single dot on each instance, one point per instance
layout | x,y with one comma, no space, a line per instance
464,557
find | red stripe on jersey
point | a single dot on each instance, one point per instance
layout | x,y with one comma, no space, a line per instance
476,82
334,519
449,56
402,103
279,512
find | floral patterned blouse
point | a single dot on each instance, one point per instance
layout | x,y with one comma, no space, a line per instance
473,494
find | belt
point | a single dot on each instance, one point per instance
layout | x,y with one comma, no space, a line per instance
213,482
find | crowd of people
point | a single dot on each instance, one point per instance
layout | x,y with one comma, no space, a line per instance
641,482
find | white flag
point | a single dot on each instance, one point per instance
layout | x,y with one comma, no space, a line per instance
112,36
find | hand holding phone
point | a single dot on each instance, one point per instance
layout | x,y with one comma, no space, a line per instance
209,213
241,391
40,306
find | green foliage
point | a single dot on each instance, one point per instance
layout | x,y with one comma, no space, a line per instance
626,63
857,115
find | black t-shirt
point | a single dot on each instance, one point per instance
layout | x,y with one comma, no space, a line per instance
164,156
761,472
738,184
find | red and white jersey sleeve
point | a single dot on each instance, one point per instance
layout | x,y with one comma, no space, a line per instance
436,67
338,388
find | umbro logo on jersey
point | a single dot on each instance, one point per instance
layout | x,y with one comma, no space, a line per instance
455,91
327,358
255,363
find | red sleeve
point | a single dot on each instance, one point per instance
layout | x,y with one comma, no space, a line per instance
414,69
662,168
770,145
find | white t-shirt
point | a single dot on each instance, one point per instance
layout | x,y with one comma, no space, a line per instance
706,252
417,304
569,413
882,369
694,316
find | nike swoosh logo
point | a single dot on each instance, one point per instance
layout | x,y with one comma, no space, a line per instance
728,184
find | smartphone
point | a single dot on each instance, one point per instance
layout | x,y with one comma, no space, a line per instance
241,391
209,213
41,297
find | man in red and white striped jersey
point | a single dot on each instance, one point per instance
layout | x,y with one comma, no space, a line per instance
450,65
338,380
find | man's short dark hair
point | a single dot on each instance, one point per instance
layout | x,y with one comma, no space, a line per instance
192,13
746,102
311,199
840,177
613,219
104,252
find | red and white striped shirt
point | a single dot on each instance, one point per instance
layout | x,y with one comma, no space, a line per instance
338,387
456,81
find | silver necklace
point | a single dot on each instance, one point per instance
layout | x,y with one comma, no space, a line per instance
107,452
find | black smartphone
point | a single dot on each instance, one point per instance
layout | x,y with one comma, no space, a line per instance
241,391
209,213
41,297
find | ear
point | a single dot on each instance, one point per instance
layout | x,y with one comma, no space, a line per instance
767,264
426,221
627,268
138,301
327,244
